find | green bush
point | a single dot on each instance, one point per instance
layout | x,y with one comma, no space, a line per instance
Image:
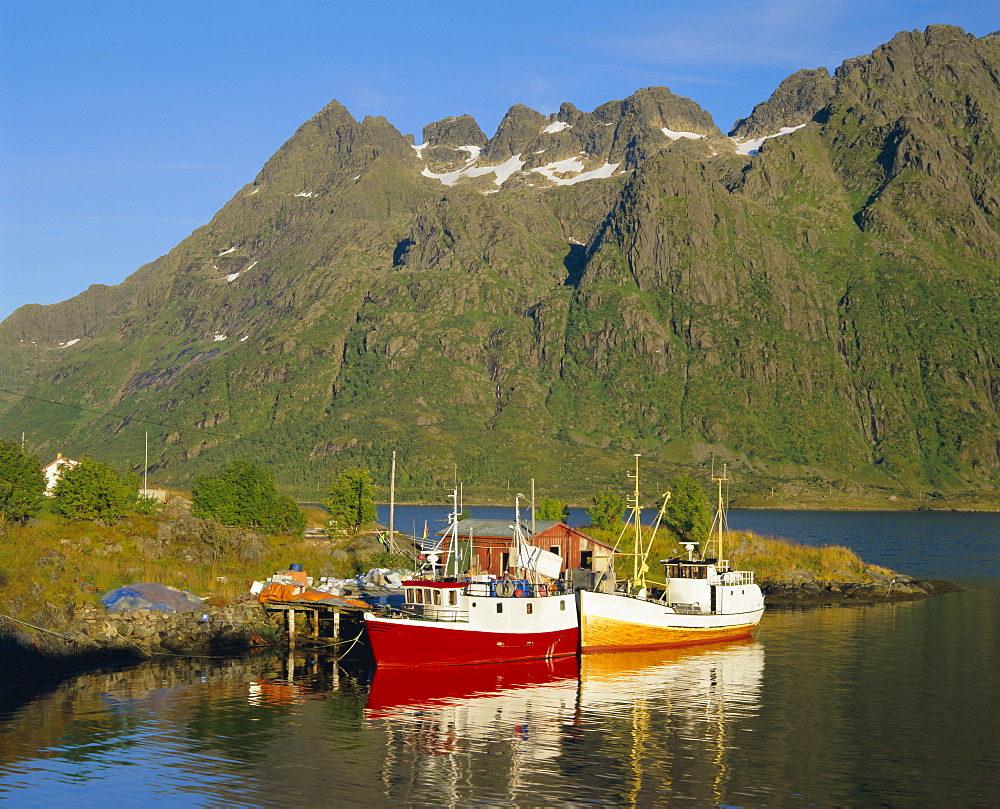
22,484
351,501
244,496
607,511
551,508
93,491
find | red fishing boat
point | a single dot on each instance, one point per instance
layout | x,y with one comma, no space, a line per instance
447,621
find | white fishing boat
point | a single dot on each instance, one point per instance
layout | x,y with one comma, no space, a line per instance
452,620
699,600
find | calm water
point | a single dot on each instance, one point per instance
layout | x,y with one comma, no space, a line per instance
889,704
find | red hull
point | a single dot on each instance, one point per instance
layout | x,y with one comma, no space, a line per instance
412,643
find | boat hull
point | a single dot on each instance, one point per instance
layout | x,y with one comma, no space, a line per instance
498,630
613,622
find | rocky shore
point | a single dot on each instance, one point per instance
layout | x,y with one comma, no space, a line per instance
802,588
97,638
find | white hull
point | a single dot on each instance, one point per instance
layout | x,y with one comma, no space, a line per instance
615,621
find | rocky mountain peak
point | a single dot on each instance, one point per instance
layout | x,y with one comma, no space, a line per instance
795,102
458,130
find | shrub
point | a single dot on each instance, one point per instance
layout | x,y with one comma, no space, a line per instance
22,484
244,496
550,508
607,511
351,501
93,491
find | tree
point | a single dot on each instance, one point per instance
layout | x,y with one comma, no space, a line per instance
22,484
607,511
351,500
93,491
244,496
687,511
551,508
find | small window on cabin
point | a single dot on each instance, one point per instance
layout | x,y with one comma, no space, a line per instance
427,597
499,607
586,560
562,605
418,596
437,598
452,598
528,608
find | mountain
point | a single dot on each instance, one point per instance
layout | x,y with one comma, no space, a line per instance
813,299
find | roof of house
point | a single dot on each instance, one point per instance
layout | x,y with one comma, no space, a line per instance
60,461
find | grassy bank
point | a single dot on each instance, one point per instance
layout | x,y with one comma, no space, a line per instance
51,569
769,558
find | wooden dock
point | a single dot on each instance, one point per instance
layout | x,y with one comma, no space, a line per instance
322,623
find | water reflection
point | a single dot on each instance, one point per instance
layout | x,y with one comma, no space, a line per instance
563,727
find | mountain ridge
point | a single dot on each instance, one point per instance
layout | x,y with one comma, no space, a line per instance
818,310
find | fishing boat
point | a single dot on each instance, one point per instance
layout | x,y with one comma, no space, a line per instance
450,620
699,601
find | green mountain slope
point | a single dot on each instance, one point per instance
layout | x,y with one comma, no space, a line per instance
575,289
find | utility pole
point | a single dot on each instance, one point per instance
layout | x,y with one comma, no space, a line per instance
392,505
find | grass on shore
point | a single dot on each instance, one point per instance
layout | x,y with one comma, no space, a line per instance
54,567
769,558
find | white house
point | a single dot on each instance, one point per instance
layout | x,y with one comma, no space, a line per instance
54,471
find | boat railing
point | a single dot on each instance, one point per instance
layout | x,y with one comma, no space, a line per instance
733,577
514,588
427,612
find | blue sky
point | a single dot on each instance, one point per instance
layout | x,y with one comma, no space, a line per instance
125,124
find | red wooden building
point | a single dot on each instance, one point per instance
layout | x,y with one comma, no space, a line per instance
485,546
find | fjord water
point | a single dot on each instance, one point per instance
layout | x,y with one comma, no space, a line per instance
887,704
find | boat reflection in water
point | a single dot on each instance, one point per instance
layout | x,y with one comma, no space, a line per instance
645,722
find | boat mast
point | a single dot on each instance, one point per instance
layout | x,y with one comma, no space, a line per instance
720,514
452,534
518,535
635,519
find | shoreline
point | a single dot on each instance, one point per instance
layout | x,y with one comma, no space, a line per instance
96,640
780,594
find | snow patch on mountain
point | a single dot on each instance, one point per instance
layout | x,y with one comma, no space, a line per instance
752,146
556,126
675,135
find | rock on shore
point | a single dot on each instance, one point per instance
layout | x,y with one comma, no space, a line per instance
802,587
100,638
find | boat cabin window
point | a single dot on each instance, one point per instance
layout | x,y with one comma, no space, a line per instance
686,571
528,608
417,597
452,598
437,597
500,607
427,596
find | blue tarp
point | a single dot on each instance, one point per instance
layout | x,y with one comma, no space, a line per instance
149,596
